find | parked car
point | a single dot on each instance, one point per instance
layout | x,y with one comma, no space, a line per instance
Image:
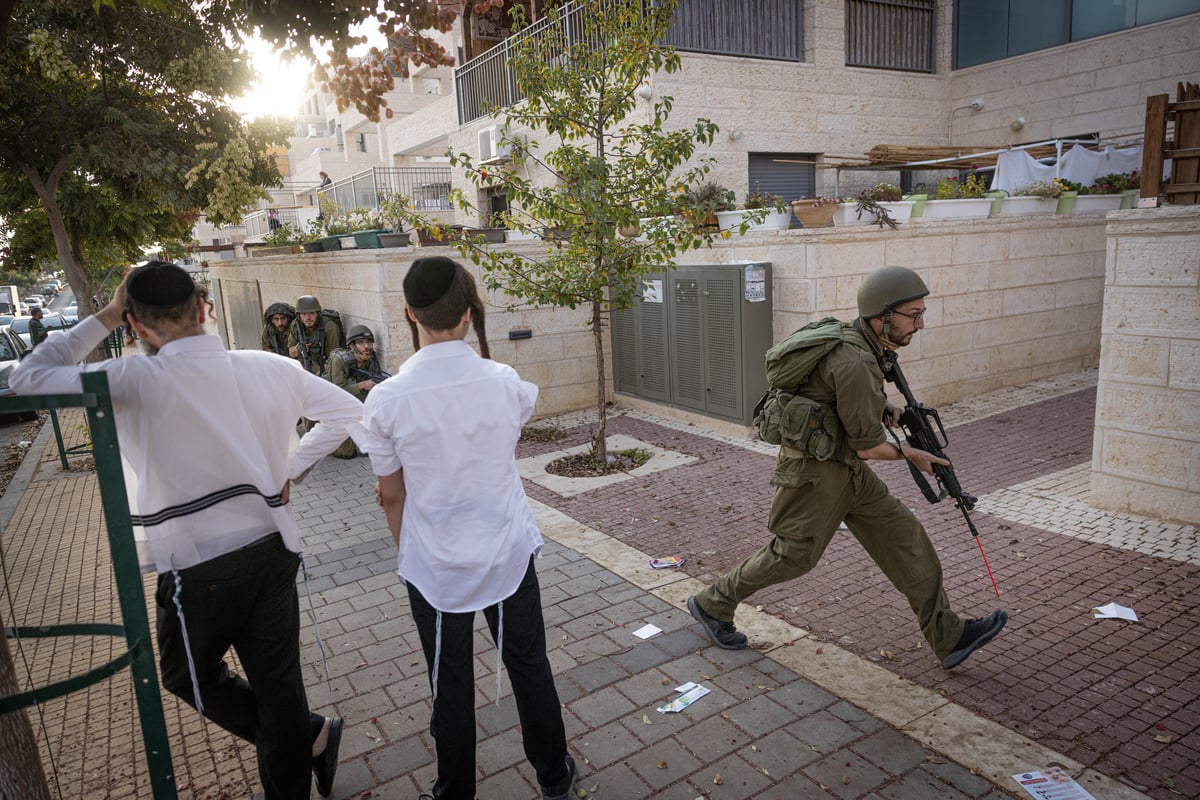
53,322
49,290
71,314
35,300
6,319
11,349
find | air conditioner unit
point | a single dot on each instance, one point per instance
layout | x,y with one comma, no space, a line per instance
491,149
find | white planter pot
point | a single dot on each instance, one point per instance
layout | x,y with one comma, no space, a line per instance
1097,203
847,213
1022,206
511,235
974,208
348,242
774,221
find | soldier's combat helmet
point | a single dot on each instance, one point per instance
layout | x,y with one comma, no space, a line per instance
279,308
359,332
307,303
888,287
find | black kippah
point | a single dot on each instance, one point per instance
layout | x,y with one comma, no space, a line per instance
428,279
159,283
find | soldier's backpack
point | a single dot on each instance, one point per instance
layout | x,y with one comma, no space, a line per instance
329,313
784,417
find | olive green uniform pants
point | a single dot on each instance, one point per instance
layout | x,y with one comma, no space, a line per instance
812,499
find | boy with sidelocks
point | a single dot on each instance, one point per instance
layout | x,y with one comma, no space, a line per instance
442,435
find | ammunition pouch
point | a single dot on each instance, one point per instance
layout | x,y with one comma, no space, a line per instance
795,421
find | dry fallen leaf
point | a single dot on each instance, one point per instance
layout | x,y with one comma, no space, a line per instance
717,779
845,780
661,765
666,681
1164,739
646,720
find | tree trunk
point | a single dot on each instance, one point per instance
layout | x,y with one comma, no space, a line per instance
76,274
600,441
21,772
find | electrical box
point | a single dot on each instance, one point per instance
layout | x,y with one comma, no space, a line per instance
697,339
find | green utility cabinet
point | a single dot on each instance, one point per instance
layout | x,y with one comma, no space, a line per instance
697,338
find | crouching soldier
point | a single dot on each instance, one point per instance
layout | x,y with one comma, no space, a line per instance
313,336
276,320
357,368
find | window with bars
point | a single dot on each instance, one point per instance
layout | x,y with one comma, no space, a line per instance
891,34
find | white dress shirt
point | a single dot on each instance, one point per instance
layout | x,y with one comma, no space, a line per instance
451,421
207,436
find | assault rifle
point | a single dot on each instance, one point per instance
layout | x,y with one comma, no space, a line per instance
377,375
916,421
303,344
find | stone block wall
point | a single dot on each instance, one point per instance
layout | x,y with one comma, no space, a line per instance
1013,299
1146,457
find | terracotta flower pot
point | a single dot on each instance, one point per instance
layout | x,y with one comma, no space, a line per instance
811,215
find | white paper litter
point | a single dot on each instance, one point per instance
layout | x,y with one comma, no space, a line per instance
1114,611
691,692
1052,783
646,631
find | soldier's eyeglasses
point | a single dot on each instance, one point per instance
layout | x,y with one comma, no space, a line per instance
914,316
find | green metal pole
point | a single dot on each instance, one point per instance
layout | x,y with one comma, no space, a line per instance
62,453
129,584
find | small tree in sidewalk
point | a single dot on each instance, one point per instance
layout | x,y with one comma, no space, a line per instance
606,166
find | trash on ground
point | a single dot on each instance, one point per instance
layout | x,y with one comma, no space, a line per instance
647,630
666,563
1052,783
1114,611
690,693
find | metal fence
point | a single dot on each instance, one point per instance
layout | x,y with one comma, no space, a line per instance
769,29
428,187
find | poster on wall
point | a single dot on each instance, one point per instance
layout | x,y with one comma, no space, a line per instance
756,284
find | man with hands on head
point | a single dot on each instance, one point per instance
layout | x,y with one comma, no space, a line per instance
210,448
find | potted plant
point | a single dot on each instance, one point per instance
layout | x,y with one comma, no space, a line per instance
438,235
1106,193
310,240
283,240
1070,193
393,210
335,231
880,205
957,199
776,218
364,229
1040,197
700,204
815,212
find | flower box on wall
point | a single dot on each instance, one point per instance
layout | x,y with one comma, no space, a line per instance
486,235
331,243
958,208
312,247
1025,205
1097,203
368,240
391,239
847,213
774,221
814,213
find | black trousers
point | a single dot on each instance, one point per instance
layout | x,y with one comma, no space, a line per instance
245,600
524,656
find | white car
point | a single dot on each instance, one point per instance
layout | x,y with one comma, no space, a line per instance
71,314
53,322
35,300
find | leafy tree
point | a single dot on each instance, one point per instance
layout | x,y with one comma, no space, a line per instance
117,123
605,166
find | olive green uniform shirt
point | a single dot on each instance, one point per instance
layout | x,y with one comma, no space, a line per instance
318,341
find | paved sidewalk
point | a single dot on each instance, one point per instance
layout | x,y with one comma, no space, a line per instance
839,697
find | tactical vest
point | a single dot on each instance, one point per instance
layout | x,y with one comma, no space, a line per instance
785,417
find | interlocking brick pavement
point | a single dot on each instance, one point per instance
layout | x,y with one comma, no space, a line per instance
772,726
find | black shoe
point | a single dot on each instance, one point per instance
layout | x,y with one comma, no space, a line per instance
565,789
722,633
325,765
976,633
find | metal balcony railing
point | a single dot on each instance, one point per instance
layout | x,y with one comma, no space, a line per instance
428,187
769,29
